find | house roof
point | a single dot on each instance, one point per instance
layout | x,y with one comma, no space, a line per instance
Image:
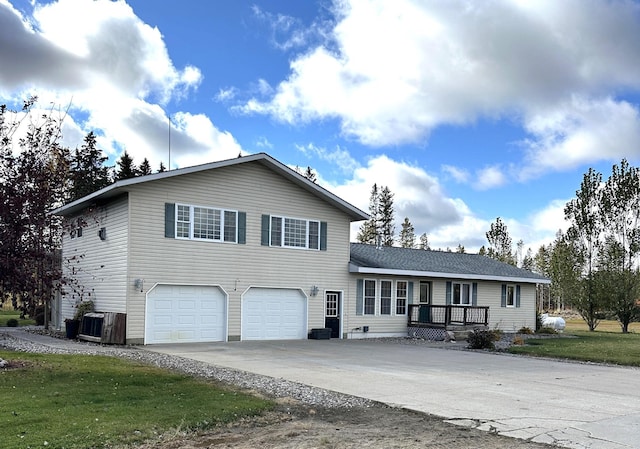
120,187
387,260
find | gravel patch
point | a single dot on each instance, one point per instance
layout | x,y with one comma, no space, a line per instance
268,386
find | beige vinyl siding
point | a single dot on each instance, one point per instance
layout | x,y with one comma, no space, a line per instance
100,264
508,319
249,188
379,325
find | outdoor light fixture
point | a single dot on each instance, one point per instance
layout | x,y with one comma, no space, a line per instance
139,284
314,290
102,233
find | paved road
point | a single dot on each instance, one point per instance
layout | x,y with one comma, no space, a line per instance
568,404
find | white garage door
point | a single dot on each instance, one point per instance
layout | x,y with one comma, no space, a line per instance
185,314
274,314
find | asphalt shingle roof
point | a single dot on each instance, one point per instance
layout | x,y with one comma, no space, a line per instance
471,266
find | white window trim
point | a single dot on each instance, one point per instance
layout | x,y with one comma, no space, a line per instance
506,300
282,233
192,223
395,298
470,284
375,297
391,298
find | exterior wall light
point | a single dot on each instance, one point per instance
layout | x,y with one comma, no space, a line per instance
314,290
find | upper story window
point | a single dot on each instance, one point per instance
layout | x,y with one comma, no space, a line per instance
294,232
203,223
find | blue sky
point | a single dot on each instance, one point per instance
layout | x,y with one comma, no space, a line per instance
468,111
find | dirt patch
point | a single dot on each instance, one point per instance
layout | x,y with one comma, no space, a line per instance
292,425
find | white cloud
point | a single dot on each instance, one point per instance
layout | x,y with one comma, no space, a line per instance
417,195
581,131
118,87
390,72
460,175
226,94
264,143
340,157
490,177
286,32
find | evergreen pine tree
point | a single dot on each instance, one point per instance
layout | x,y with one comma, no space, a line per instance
145,168
368,232
386,218
88,173
126,169
407,234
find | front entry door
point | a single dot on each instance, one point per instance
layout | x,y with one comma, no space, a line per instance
425,300
332,313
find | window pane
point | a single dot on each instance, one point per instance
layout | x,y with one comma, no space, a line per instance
332,305
385,297
276,231
466,297
314,235
229,226
511,296
456,294
425,288
369,297
183,221
206,223
401,297
295,233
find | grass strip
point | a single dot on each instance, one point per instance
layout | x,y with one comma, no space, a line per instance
81,401
6,315
598,347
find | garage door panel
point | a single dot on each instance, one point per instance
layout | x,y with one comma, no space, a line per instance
274,314
185,314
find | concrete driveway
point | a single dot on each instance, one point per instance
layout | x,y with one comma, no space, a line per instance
568,404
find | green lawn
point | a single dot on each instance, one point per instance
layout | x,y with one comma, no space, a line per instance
578,324
79,401
601,347
6,315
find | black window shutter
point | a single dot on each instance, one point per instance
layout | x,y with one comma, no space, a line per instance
242,228
474,295
503,299
170,220
517,296
448,293
359,297
323,236
265,230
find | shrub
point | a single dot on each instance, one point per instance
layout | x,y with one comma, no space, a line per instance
82,308
12,322
40,319
525,330
546,330
482,339
518,341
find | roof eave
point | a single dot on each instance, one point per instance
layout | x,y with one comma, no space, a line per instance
114,189
436,274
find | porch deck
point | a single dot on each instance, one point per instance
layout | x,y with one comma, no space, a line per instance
446,316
